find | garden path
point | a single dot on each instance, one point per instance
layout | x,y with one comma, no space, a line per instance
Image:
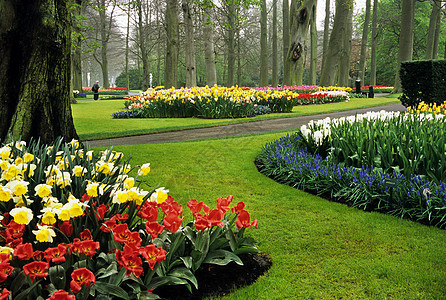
291,123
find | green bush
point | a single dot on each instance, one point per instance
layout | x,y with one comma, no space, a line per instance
135,79
423,81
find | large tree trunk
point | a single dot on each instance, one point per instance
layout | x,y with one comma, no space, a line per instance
263,45
313,51
172,28
275,66
127,75
336,46
231,42
105,35
432,33
35,48
344,55
76,59
365,38
143,49
209,52
189,47
286,41
406,39
326,31
300,23
373,44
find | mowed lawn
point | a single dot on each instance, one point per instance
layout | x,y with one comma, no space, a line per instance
320,249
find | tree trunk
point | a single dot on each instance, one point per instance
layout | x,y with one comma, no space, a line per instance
263,45
35,66
406,39
300,23
209,51
286,41
432,33
189,47
104,41
76,59
373,44
313,39
275,66
365,38
231,42
344,55
142,42
336,46
326,31
239,58
171,65
158,45
127,75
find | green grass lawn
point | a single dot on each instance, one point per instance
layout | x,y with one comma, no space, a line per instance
320,249
93,119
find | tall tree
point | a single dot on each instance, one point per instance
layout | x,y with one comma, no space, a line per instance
364,41
434,30
172,30
336,46
344,55
209,49
373,44
326,31
286,41
35,66
263,44
232,26
313,42
405,49
142,41
275,64
300,15
77,38
189,46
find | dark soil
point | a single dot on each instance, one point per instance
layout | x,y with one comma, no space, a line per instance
215,281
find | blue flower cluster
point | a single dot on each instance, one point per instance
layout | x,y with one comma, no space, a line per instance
127,114
367,187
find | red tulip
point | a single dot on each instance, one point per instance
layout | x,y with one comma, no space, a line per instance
36,269
244,219
154,229
24,251
81,277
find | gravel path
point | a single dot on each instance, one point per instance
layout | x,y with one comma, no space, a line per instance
233,129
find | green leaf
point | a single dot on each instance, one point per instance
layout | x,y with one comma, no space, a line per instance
188,261
110,289
185,274
57,276
18,282
25,293
222,258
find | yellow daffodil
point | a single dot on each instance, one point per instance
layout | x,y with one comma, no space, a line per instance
78,171
160,195
22,215
5,152
5,194
43,190
18,187
129,182
144,169
48,218
120,196
92,189
44,233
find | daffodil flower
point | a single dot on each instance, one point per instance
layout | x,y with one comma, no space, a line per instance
44,233
22,215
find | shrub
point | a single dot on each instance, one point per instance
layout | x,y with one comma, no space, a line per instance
77,222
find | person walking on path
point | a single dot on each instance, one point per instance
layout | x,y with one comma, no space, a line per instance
95,90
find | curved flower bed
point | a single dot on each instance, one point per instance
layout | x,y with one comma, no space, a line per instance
333,158
76,225
220,102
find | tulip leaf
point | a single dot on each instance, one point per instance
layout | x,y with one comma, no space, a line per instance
222,258
188,261
25,293
110,289
185,274
57,276
18,282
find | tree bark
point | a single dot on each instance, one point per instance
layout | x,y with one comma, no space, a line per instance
432,33
344,55
189,47
76,59
35,67
300,23
209,51
373,44
263,45
143,49
405,49
313,51
336,46
275,65
105,36
172,29
286,41
364,41
326,31
127,75
231,42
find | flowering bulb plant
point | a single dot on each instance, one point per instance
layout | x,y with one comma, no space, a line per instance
75,225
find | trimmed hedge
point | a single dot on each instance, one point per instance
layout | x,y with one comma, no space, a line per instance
423,80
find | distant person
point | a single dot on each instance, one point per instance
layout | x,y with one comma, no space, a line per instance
95,90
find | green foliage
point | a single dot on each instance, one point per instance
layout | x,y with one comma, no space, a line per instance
423,81
135,79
